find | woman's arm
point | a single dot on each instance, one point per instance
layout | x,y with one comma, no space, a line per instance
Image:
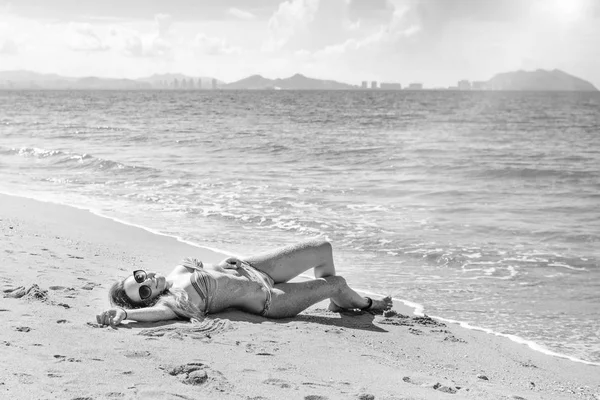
114,316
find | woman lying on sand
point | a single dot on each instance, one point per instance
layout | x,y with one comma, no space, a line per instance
257,284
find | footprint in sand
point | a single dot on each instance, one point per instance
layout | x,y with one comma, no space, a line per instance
365,396
90,286
66,289
453,339
279,383
137,354
115,395
450,389
198,374
415,331
262,350
76,257
64,358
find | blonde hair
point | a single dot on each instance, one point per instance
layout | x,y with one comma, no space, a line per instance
178,300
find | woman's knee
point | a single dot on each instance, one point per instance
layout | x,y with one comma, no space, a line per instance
319,244
323,248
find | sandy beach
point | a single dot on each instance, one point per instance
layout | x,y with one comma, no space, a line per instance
51,347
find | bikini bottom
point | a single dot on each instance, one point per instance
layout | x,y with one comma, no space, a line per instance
263,279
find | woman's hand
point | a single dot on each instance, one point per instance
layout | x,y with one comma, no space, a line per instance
112,317
230,263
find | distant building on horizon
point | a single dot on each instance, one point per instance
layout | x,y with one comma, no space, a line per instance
464,85
415,86
214,84
364,85
373,84
390,86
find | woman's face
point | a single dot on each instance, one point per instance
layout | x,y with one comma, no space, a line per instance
144,285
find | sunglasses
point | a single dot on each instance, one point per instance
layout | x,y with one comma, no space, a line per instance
140,276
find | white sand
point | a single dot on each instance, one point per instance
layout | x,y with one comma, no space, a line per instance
51,348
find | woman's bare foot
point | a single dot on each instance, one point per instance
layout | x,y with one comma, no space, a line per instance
380,305
377,306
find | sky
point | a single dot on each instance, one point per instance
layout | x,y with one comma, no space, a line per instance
435,42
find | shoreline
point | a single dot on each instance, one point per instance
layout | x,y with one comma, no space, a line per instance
53,348
417,308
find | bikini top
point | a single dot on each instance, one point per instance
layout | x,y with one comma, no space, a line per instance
205,284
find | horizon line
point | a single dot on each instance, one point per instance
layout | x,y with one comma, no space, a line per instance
364,84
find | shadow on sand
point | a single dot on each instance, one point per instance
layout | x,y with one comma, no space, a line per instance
226,319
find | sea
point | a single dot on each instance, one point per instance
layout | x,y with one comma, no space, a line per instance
480,208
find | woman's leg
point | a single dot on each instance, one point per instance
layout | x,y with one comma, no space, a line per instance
289,299
288,262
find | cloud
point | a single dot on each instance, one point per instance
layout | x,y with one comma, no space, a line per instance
435,15
82,37
8,47
368,9
214,46
241,14
127,41
399,26
291,16
132,43
163,23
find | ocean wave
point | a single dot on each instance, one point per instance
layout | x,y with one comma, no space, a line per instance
35,152
66,159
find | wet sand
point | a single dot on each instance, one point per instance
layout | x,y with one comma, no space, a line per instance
57,262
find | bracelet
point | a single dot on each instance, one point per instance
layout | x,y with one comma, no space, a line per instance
369,304
124,312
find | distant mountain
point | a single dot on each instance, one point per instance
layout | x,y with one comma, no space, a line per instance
29,76
539,80
34,80
111,84
252,82
295,82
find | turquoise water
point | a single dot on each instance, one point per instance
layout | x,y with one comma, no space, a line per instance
480,206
